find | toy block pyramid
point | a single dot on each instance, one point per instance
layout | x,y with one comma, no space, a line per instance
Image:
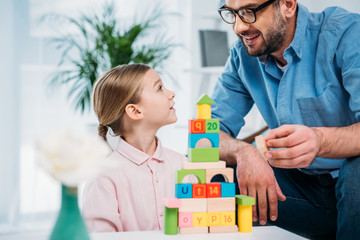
206,206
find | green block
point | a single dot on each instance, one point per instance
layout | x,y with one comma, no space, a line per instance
199,173
212,126
171,221
203,154
244,200
205,99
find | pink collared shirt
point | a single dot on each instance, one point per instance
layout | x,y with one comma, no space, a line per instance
129,197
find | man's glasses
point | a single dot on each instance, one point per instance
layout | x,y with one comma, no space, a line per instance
247,15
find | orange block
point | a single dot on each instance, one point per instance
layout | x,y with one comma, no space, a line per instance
197,126
199,190
213,190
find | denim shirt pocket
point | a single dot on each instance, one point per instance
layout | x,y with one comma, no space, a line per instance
330,109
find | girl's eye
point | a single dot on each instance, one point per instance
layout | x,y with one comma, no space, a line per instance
160,87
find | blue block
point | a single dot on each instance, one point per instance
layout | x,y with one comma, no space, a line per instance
195,137
227,189
183,190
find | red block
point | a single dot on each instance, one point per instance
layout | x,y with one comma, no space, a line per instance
197,126
199,190
213,190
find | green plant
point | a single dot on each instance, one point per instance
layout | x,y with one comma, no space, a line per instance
100,44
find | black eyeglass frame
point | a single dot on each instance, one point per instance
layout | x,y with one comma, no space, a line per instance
254,10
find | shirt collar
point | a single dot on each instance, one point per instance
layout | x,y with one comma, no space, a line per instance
137,156
301,23
299,37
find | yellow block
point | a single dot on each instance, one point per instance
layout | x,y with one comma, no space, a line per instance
203,111
227,218
213,218
200,219
245,218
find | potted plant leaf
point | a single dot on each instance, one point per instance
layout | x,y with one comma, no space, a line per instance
100,43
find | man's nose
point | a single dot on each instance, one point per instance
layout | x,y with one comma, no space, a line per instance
239,26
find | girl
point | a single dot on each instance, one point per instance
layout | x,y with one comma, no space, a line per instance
132,101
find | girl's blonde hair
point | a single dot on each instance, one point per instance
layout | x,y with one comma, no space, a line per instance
113,91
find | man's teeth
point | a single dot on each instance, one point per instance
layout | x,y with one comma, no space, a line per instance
249,38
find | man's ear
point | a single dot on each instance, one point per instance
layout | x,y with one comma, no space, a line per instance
290,7
133,112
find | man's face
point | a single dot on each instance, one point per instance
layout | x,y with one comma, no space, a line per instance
267,34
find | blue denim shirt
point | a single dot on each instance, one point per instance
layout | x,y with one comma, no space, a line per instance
320,88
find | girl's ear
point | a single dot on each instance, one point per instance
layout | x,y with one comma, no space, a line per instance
133,112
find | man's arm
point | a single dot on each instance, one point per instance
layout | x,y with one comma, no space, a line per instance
255,176
339,142
301,144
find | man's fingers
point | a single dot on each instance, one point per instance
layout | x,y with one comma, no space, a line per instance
262,206
287,153
298,162
252,193
273,203
280,132
279,193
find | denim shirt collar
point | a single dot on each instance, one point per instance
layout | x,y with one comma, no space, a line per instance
301,23
297,44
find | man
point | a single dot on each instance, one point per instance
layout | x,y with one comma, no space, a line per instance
302,70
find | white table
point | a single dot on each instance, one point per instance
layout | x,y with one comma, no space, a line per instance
265,232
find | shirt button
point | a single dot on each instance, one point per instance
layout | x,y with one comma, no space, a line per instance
161,214
156,179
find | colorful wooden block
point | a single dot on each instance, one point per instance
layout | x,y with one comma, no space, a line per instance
203,107
199,173
223,229
193,205
203,154
212,125
185,219
170,220
213,190
245,218
227,218
261,145
193,230
199,190
196,126
213,218
172,202
183,190
203,111
204,165
227,189
205,99
228,174
199,219
221,204
244,206
245,200
195,137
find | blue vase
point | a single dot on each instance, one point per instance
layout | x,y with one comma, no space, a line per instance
69,225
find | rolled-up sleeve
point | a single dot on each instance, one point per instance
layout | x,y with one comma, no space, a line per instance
347,58
232,100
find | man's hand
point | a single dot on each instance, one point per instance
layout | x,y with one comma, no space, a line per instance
300,146
256,179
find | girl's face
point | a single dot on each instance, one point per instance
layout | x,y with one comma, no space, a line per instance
156,102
